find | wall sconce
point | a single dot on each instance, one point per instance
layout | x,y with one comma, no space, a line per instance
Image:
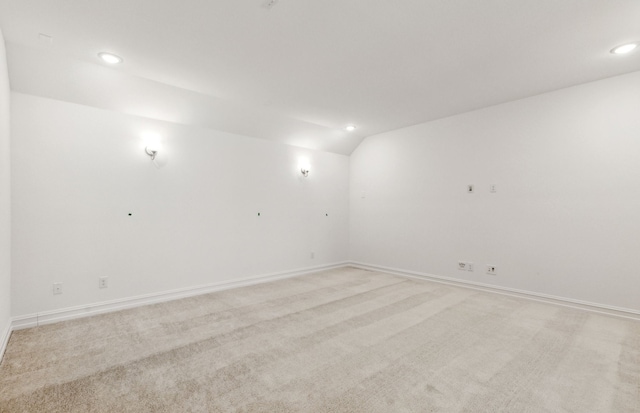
152,150
304,167
151,144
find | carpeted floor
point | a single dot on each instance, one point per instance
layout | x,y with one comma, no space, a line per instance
345,340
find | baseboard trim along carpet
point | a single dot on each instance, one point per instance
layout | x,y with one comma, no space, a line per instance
49,317
566,302
347,340
4,339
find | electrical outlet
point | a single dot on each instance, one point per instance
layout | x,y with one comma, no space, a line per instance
492,188
491,270
470,266
57,288
103,282
462,266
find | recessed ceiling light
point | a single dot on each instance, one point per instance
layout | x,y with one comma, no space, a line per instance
350,128
625,48
110,58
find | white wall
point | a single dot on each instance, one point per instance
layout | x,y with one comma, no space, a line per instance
79,171
5,200
565,219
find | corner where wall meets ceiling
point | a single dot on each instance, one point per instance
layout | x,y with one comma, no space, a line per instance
42,73
300,72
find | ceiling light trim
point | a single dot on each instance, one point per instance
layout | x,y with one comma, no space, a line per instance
110,58
624,48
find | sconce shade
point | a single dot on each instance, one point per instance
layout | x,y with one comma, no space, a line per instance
151,152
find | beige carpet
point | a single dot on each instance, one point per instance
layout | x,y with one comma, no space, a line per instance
346,340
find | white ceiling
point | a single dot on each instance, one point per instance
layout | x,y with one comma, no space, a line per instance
299,72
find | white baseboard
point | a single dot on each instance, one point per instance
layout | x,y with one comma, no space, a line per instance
48,317
4,339
562,301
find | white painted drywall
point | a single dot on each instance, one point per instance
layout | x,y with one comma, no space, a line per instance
79,171
5,200
565,219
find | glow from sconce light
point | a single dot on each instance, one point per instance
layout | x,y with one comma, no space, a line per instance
625,48
350,128
110,58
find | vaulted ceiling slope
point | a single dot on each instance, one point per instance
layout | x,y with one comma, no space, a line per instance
299,71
